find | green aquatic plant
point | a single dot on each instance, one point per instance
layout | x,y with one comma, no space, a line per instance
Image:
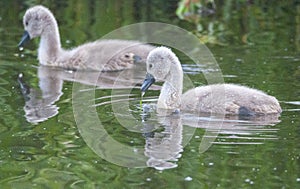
195,12
192,10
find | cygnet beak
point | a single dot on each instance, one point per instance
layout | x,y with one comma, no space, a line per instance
149,80
137,59
24,39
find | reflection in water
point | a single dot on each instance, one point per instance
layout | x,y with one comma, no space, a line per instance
40,103
164,139
164,148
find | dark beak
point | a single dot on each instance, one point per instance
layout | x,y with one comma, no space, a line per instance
149,80
137,59
24,39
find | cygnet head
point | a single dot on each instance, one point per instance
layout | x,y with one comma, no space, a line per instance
159,65
128,57
159,62
121,59
36,21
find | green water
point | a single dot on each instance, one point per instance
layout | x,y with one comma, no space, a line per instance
254,44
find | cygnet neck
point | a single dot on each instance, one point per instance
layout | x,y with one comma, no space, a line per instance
50,45
170,96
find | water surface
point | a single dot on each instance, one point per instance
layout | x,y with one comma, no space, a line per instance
43,142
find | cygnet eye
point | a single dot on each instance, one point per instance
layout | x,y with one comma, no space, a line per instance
150,66
26,23
126,56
